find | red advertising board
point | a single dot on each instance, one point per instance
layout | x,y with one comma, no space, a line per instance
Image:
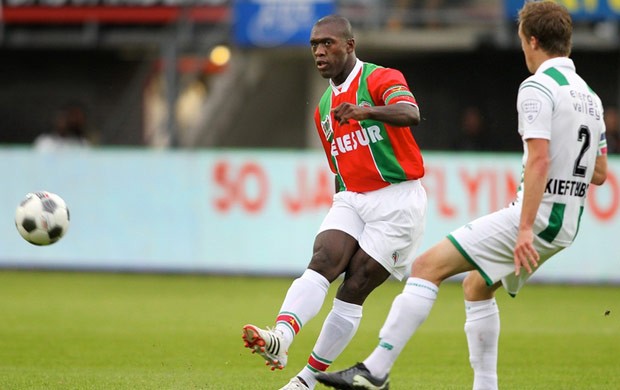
67,13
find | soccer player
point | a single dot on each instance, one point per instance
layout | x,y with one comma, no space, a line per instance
378,213
561,124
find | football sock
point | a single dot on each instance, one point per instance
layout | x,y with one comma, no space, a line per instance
482,330
303,301
338,330
409,310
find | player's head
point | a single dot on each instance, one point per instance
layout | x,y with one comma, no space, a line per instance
333,47
546,25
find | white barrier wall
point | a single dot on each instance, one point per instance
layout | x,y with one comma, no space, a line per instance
253,211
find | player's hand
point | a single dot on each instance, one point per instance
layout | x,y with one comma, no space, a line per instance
525,254
346,111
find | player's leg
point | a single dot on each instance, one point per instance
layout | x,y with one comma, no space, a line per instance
409,310
362,276
494,256
304,298
334,246
482,328
332,251
488,243
394,223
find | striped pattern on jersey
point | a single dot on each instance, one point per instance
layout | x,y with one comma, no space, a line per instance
369,154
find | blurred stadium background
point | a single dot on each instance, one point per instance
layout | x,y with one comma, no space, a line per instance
203,160
199,113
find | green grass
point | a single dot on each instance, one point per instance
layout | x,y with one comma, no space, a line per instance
129,331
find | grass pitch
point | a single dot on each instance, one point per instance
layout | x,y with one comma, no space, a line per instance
131,331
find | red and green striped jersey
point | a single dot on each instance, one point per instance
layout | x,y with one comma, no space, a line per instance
368,155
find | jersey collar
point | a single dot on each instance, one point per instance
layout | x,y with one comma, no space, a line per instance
557,62
344,87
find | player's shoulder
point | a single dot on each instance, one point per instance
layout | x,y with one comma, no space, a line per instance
554,77
539,80
539,84
382,73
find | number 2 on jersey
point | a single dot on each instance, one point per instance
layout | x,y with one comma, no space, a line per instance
583,136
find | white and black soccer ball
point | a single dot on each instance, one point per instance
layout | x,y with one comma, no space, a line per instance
42,218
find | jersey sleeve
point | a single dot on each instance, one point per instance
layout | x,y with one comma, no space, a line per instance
388,86
535,108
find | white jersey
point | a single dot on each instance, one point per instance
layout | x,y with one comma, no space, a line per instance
556,104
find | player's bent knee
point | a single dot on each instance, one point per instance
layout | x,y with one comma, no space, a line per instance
322,264
475,287
357,286
425,268
419,264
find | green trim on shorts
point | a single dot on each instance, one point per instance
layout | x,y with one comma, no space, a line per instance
458,246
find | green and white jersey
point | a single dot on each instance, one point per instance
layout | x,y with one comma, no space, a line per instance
556,104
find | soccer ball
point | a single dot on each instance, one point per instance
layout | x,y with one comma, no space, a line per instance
42,218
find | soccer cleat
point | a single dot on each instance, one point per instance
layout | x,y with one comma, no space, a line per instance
268,344
296,384
355,378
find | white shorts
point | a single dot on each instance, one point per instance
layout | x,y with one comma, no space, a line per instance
488,243
388,223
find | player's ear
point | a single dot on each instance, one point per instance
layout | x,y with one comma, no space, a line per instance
350,45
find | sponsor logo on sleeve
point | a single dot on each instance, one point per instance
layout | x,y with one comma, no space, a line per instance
530,109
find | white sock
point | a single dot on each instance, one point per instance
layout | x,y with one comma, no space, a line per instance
302,302
338,330
482,330
409,310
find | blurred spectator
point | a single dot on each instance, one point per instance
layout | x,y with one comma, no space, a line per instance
414,12
69,130
472,134
612,132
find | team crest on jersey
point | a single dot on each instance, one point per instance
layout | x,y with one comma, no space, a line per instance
326,125
365,104
531,108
